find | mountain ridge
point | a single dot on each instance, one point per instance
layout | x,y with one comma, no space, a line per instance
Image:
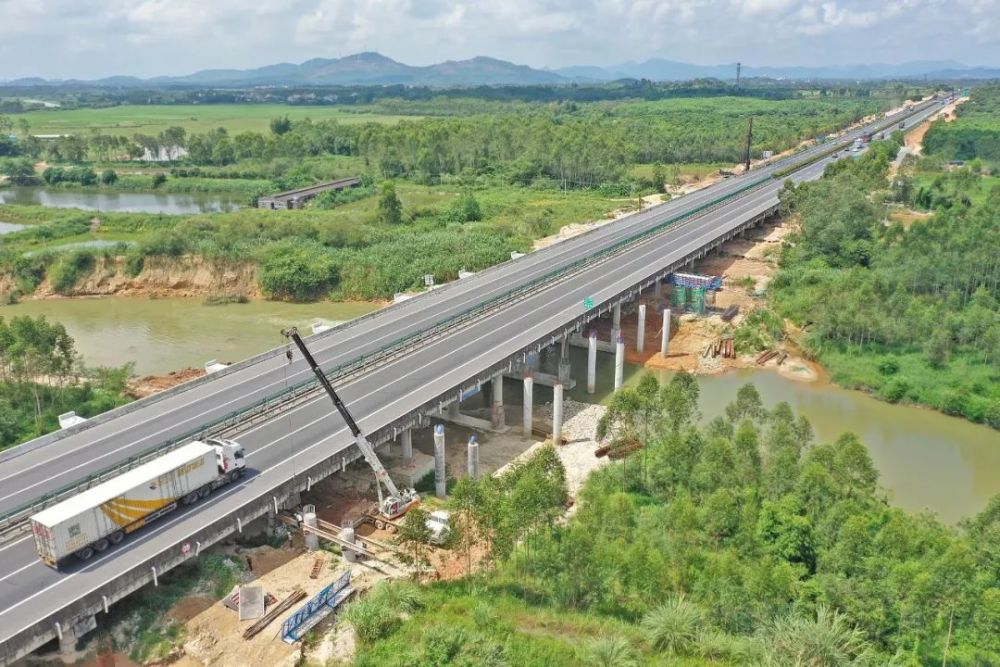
371,68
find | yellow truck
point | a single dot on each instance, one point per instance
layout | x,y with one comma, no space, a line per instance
96,519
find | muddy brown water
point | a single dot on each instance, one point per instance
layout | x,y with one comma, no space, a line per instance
163,335
926,460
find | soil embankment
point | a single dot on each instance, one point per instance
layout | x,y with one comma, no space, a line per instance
746,267
162,276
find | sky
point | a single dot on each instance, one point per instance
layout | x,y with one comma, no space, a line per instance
96,38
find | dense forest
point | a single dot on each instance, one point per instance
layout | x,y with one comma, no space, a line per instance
975,135
741,542
909,311
17,99
566,144
466,189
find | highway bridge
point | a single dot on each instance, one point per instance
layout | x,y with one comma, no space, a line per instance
392,367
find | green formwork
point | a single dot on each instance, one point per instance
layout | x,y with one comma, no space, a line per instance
698,301
678,295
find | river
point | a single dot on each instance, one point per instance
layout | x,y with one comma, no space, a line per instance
926,460
162,335
134,202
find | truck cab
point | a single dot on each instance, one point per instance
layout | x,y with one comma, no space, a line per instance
229,456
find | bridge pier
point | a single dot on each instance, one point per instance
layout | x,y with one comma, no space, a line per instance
565,370
473,457
440,480
592,362
616,322
528,407
497,413
557,413
69,634
406,440
665,340
657,290
619,362
640,334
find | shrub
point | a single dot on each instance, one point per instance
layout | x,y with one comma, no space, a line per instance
109,177
69,269
297,271
827,640
371,618
159,179
673,626
895,390
608,652
464,209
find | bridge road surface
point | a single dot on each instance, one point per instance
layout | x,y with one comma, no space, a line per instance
312,432
34,474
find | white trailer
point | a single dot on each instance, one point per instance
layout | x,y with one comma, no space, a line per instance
97,518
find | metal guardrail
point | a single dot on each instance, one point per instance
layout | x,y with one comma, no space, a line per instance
10,520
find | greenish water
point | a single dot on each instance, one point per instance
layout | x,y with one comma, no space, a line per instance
135,202
926,460
162,335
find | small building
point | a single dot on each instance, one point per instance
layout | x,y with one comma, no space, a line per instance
293,199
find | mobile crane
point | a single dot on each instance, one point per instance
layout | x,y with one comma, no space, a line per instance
396,503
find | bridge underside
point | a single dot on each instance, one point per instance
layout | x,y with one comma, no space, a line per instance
287,493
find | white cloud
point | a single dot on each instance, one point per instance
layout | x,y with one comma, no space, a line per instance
90,38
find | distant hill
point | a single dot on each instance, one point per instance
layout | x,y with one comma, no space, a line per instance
375,69
658,69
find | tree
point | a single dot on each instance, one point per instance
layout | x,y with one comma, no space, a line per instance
159,179
20,171
390,209
281,125
464,209
414,535
109,177
659,178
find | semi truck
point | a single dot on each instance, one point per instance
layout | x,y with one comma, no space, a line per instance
93,520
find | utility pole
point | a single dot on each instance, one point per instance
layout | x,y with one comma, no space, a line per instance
739,66
746,153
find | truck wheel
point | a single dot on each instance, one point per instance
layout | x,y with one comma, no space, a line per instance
85,553
116,537
191,498
100,546
234,475
204,491
380,524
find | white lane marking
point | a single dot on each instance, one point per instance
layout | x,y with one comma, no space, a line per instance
160,528
296,374
157,529
533,272
15,542
21,569
490,331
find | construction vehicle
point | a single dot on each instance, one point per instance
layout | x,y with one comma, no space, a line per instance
93,520
395,503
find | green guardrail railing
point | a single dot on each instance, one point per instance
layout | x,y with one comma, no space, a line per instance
23,511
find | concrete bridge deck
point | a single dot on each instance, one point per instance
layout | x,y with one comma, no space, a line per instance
308,441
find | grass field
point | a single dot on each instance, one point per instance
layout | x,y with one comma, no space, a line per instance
153,119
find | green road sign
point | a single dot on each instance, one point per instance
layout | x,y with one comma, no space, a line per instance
588,303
